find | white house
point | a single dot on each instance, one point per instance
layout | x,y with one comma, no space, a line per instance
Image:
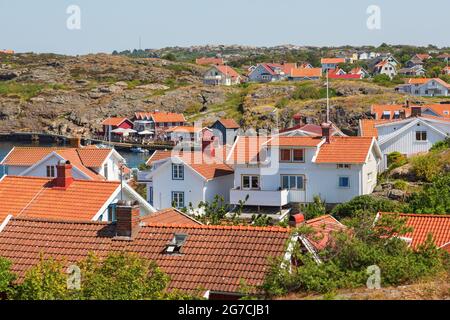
274,172
433,87
386,67
181,179
89,163
221,75
409,136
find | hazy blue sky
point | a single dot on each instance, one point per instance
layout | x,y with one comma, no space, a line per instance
40,26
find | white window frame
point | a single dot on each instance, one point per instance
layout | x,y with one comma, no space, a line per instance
176,199
51,172
177,173
252,178
421,132
296,181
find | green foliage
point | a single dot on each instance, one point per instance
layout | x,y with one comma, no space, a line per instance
213,212
365,203
401,185
344,265
426,166
310,92
396,159
261,220
314,209
25,91
6,276
282,103
441,145
121,276
45,281
170,57
179,68
434,198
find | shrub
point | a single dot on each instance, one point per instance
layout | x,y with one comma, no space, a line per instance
396,159
365,203
306,93
441,145
6,276
434,198
401,185
315,209
25,91
426,166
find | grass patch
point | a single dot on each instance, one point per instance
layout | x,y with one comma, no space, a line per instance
24,91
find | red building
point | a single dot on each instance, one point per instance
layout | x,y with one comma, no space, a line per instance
114,123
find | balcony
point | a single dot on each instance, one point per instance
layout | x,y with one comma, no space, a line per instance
275,198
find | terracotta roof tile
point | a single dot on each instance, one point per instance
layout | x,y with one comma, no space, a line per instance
368,127
209,61
228,70
323,228
306,72
158,155
160,117
229,123
170,216
287,141
213,257
36,197
114,121
332,60
345,150
423,224
247,149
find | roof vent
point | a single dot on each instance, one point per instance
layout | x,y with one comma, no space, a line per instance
174,246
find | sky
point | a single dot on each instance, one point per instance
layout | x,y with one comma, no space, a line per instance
107,25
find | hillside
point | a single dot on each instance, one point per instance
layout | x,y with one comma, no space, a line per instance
68,94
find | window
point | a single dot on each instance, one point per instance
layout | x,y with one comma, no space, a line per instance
298,155
344,166
293,182
105,171
250,182
421,136
50,171
285,155
177,172
178,199
176,243
344,182
112,212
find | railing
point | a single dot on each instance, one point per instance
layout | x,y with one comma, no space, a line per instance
274,198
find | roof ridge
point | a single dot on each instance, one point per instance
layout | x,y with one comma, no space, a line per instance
50,179
429,215
58,220
219,227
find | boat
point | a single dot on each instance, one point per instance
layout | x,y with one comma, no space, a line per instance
138,150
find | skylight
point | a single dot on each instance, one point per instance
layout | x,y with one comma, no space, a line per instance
176,243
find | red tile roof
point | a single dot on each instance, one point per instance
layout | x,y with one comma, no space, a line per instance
207,167
170,216
368,127
36,197
160,117
247,149
228,70
216,258
323,228
423,224
306,73
332,60
229,123
158,155
378,109
114,121
345,150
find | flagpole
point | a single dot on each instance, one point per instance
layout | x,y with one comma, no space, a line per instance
328,102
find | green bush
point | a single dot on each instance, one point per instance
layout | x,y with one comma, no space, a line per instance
365,203
426,166
314,209
396,159
441,145
434,198
6,276
401,185
25,91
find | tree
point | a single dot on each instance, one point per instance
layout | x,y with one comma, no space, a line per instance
6,276
365,203
315,209
434,199
121,276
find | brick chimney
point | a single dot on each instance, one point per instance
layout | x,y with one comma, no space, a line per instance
296,220
407,103
127,218
416,111
63,175
326,131
75,142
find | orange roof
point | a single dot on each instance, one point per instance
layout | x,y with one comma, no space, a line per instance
332,60
345,150
246,149
170,216
36,197
423,56
228,70
442,110
306,72
113,121
286,141
423,224
159,117
81,158
425,80
324,226
207,167
378,109
368,128
158,155
216,258
229,123
185,129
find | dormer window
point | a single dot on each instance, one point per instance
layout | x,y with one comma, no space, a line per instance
292,155
176,244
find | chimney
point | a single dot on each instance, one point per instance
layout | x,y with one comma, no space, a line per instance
416,111
296,220
208,147
75,142
407,103
326,131
63,175
402,114
127,218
